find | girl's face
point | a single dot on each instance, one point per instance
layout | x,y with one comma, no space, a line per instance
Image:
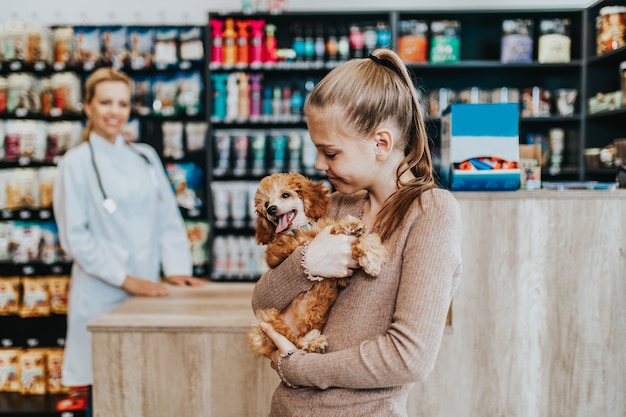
349,162
109,109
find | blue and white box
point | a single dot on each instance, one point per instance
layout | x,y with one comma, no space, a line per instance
475,131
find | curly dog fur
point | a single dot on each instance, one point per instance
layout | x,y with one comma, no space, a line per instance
291,210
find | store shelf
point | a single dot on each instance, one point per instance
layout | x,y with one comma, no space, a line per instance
13,404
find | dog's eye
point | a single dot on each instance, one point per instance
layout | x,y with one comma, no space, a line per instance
267,205
286,195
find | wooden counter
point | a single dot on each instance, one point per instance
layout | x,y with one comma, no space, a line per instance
538,325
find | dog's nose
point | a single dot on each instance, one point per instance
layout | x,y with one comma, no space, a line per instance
272,210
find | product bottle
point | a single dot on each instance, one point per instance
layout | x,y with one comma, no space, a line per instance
243,51
270,44
219,95
357,41
331,44
297,43
285,108
554,42
309,44
343,44
320,44
267,102
277,103
296,101
232,96
255,95
243,96
256,41
229,37
216,40
383,35
370,39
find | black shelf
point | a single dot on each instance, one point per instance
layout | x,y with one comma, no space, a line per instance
13,404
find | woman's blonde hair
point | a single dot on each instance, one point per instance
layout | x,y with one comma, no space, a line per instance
98,76
367,92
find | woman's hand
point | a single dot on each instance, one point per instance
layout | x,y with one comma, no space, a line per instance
181,280
283,345
144,287
330,256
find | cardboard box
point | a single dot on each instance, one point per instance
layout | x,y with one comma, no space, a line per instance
530,166
472,131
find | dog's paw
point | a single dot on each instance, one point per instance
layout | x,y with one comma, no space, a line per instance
349,225
314,342
371,254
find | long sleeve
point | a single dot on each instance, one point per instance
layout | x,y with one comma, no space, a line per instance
73,207
426,257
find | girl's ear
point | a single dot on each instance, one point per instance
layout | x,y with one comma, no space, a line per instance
384,143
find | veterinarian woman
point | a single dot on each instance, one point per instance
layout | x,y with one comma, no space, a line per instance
118,220
384,333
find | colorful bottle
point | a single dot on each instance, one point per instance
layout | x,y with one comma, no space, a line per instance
320,44
244,96
309,44
255,95
243,52
331,44
357,41
270,44
218,110
297,43
256,41
216,40
383,35
229,37
343,44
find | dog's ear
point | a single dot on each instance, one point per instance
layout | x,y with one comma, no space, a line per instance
315,197
263,230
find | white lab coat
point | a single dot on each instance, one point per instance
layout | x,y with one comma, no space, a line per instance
144,235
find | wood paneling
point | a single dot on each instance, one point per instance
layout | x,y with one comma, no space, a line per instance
538,330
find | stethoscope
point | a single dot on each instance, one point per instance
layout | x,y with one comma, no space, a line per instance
110,206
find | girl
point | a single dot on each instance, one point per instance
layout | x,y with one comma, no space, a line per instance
384,333
118,219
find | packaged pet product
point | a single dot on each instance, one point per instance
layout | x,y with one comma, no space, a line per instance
445,42
186,179
54,368
5,236
28,185
141,95
32,140
221,203
2,136
49,251
3,96
173,140
198,233
23,95
413,41
14,41
63,51
61,137
195,133
66,92
190,44
32,372
113,41
188,99
39,46
517,41
87,46
141,46
240,142
611,29
554,42
58,287
35,297
164,94
9,295
222,153
165,47
25,237
9,368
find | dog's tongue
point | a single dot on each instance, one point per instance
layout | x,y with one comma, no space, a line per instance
283,223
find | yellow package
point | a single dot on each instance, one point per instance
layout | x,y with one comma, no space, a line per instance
58,287
9,295
54,371
9,381
35,298
32,371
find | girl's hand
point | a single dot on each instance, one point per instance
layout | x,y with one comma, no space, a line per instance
330,256
144,287
283,345
181,280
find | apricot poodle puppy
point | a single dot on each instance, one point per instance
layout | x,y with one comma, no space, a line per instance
291,209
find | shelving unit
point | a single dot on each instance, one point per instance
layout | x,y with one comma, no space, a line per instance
479,66
601,76
49,331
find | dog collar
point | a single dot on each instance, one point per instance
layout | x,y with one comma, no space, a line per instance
302,226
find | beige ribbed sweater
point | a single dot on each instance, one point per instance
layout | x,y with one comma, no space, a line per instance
384,332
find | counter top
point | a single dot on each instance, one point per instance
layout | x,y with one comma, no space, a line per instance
541,194
215,307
